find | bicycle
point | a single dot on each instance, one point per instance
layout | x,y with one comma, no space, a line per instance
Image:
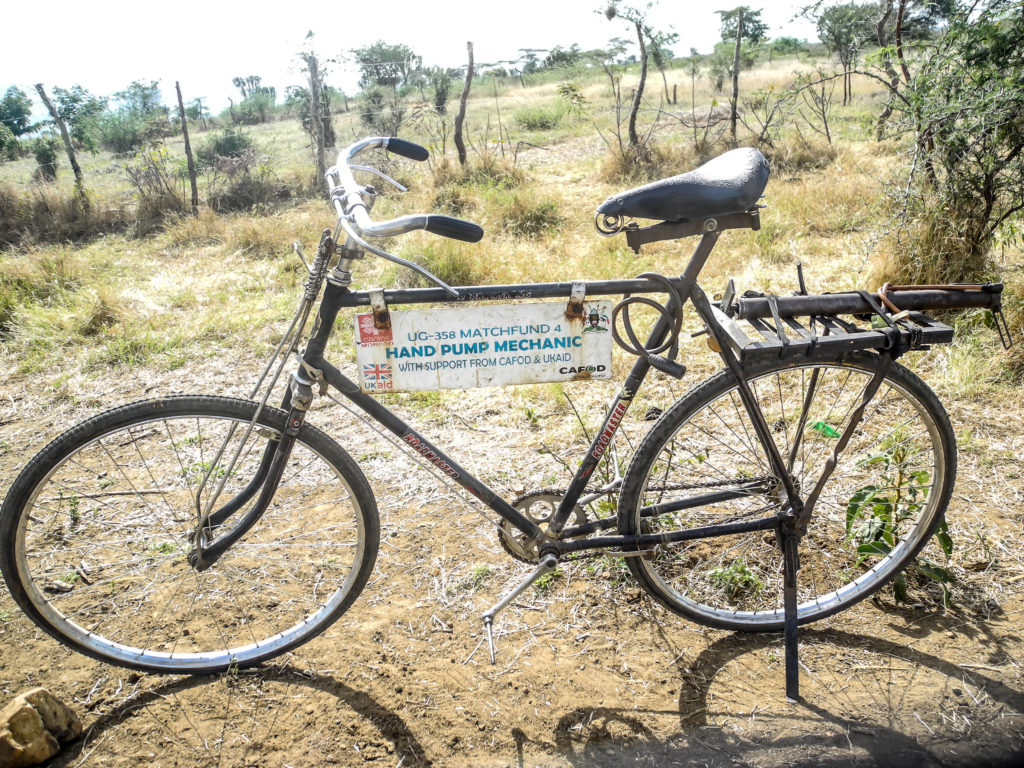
812,450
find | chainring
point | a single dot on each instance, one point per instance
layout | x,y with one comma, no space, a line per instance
540,507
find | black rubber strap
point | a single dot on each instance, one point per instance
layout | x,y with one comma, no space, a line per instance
773,304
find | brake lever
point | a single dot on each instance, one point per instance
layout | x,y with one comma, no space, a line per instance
351,231
384,176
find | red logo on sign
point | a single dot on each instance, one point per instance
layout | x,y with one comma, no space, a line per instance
370,334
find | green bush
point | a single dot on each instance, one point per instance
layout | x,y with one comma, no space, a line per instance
257,108
539,118
46,150
230,142
10,147
122,133
521,214
158,192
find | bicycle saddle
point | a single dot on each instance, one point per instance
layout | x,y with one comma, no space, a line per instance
729,183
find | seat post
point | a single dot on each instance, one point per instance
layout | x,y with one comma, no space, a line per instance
700,255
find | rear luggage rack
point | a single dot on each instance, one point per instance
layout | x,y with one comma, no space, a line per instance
765,327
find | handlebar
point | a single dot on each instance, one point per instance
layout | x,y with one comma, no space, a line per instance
347,197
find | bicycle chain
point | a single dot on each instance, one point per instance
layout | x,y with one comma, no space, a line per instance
505,531
670,487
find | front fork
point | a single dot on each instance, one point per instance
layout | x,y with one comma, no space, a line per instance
275,459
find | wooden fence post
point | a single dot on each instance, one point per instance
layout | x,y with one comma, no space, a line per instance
188,152
316,119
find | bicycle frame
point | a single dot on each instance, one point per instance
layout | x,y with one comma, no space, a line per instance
557,539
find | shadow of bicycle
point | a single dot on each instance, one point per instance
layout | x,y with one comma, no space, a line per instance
865,700
280,715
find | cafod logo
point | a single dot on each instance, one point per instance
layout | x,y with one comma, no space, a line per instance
370,335
597,320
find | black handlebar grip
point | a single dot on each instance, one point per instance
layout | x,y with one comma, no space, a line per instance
407,149
457,229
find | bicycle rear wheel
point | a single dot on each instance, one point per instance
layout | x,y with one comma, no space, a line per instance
95,540
879,507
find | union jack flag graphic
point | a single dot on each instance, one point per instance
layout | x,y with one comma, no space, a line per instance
377,373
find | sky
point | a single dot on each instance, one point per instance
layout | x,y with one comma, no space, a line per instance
104,45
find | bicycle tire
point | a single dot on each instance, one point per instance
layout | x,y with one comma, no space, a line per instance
885,499
94,536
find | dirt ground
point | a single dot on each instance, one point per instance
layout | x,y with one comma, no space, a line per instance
590,671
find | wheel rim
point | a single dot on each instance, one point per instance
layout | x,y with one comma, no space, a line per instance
737,580
101,548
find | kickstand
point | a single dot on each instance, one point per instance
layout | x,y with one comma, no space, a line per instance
547,563
791,564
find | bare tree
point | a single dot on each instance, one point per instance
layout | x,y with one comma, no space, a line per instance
736,76
70,150
643,33
817,98
460,145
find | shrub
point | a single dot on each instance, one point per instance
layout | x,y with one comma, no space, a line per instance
539,118
382,111
122,133
158,192
244,182
573,98
46,151
254,109
229,143
521,214
10,147
454,263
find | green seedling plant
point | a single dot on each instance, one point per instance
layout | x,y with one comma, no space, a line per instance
544,583
875,513
736,580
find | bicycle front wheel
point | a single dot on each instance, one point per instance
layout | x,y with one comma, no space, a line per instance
701,464
94,537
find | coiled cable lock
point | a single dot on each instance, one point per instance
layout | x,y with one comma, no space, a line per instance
672,312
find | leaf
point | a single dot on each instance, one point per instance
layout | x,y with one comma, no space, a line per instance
944,539
878,458
899,589
856,504
868,531
935,572
873,548
921,476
